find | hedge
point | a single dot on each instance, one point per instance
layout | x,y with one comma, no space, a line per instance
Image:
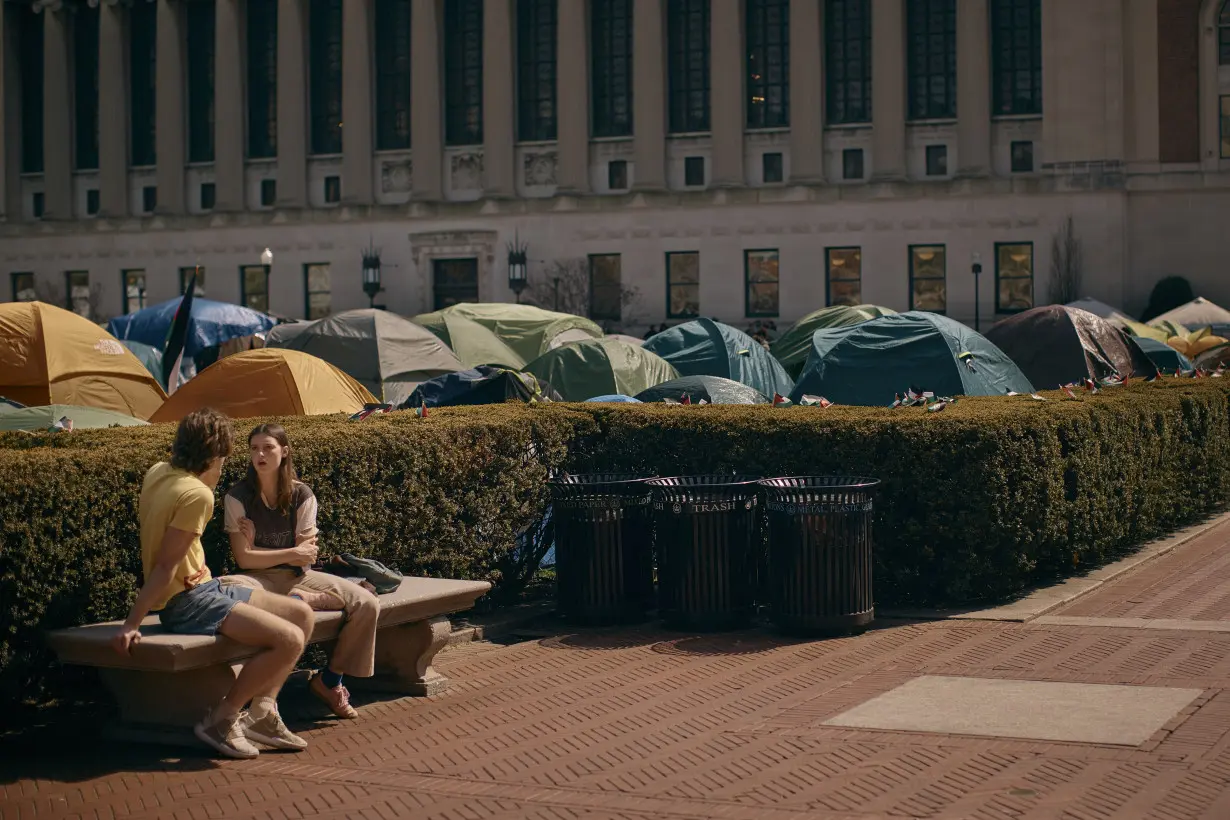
977,501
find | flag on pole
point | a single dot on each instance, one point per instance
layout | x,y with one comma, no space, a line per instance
177,337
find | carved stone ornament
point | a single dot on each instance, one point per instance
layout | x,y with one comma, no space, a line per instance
396,176
467,172
540,169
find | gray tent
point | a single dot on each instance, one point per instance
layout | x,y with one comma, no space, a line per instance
386,353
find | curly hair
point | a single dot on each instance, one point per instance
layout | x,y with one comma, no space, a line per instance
202,436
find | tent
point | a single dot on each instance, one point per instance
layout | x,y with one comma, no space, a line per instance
210,324
1163,356
706,348
284,332
49,355
83,418
384,352
1198,313
479,385
598,367
792,347
712,389
526,329
613,398
632,340
868,364
149,356
268,382
474,344
1102,310
1057,344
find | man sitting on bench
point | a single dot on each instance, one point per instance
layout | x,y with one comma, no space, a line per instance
177,501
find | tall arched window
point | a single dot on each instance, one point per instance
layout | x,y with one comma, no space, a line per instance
1223,34
1016,55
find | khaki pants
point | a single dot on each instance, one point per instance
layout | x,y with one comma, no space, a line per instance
355,652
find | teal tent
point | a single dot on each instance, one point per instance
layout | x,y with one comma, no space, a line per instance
869,363
33,419
149,356
707,348
600,367
793,346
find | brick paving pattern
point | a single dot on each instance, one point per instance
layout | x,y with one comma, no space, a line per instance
643,723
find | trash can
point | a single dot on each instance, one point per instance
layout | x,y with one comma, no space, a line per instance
820,539
706,528
603,547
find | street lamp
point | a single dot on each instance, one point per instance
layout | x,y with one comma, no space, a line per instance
371,273
518,267
976,268
267,264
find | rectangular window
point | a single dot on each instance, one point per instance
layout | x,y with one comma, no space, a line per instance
269,192
605,287
77,292
333,189
768,63
928,278
1225,127
694,171
392,75
325,75
682,285
209,194
200,37
687,65
761,280
454,281
1023,155
317,290
134,290
1014,276
771,167
149,198
91,202
844,276
847,34
463,72
30,54
1016,56
185,276
23,287
254,287
536,27
617,175
937,160
852,163
38,204
142,71
610,32
262,78
85,87
931,58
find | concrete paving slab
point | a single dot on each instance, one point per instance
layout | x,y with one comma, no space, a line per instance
1037,710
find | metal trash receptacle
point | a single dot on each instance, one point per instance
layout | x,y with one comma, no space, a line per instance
603,547
820,552
706,527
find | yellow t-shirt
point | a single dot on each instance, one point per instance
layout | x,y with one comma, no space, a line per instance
171,497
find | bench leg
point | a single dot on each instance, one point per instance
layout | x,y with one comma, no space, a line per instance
403,659
163,707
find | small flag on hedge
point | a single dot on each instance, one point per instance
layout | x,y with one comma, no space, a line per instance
779,399
686,399
815,401
1066,388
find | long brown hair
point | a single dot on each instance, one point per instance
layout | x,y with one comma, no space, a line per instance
286,472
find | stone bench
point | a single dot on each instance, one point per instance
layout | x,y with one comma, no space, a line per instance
169,681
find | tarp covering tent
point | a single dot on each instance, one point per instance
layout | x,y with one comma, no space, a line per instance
386,353
209,325
1198,313
1101,309
793,346
474,344
49,355
1163,356
868,364
704,347
526,329
712,389
1056,344
598,367
268,382
479,385
41,418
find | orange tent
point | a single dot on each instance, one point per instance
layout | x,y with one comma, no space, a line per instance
49,355
267,382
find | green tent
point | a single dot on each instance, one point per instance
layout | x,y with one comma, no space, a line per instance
868,364
793,346
474,344
41,418
526,329
599,367
707,348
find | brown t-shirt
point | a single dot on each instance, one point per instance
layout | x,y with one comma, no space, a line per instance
275,529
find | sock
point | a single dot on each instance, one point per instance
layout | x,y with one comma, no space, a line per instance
223,712
330,679
262,707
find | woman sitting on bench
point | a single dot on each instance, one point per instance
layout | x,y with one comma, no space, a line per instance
271,520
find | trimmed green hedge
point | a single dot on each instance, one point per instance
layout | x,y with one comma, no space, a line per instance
977,502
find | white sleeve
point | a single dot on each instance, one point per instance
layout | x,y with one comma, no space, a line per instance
305,524
232,511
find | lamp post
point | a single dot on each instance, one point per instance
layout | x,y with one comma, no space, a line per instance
976,268
267,264
518,267
371,273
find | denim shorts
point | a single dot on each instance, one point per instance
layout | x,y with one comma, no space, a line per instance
202,609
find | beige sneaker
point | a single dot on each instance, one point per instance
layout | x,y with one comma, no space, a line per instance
337,699
272,732
226,736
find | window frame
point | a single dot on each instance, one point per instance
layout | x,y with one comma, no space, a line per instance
243,289
780,170
324,80
689,103
1033,278
747,283
85,73
68,293
262,78
185,272
308,292
837,41
392,65
910,263
930,67
773,80
846,154
1012,156
1223,34
939,152
617,316
610,66
1009,63
200,65
124,298
828,273
435,289
13,290
463,73
537,70
671,314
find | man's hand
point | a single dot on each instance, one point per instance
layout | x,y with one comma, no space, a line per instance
248,530
126,639
304,555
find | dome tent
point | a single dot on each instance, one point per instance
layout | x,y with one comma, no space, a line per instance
1198,313
713,389
384,352
479,385
1162,355
1105,311
598,367
792,347
83,418
474,344
868,364
704,347
526,329
209,325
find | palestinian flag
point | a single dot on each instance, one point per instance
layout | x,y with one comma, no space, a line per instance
177,337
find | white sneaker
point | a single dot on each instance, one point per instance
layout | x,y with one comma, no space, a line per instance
226,736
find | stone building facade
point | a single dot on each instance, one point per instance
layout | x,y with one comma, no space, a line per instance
742,159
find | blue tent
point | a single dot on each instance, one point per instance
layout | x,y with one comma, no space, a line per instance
1162,355
150,356
707,348
211,324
